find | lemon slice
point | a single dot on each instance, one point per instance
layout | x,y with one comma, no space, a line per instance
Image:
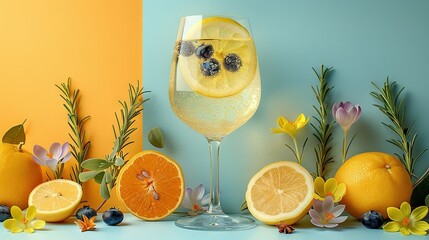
228,38
281,192
55,200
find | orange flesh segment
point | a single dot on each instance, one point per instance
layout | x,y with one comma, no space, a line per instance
137,190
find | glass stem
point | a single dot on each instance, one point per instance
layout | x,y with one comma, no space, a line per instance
214,207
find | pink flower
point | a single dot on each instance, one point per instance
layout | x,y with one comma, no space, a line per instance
324,214
194,200
346,114
57,154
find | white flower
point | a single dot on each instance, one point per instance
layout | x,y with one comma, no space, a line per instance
195,200
57,154
324,214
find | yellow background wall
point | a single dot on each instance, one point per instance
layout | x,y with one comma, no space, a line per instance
97,43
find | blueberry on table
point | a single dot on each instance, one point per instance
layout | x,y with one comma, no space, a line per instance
113,217
186,48
210,67
232,62
204,51
87,211
372,219
4,213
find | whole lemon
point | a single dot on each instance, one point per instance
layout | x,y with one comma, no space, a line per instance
374,181
19,174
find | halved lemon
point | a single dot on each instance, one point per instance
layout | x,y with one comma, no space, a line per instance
281,192
55,200
227,37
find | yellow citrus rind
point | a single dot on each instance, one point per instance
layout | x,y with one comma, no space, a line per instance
281,192
56,200
226,36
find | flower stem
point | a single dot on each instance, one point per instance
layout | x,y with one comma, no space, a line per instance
101,205
297,154
345,146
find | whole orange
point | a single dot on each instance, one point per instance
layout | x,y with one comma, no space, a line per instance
374,181
19,174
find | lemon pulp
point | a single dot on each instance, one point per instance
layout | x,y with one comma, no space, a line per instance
281,192
56,200
227,37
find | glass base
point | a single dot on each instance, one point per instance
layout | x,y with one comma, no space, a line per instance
216,222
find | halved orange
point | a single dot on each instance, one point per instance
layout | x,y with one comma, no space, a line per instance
281,192
151,185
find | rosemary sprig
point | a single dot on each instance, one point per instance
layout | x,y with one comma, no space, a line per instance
392,105
323,129
79,147
105,171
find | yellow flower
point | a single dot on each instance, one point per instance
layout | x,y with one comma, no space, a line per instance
19,223
288,127
407,222
330,188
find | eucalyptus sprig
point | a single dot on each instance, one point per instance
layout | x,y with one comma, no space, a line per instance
80,146
105,171
323,128
392,105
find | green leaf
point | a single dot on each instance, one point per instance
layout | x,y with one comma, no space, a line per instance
155,137
420,190
119,161
99,177
243,205
104,190
96,164
15,135
85,176
108,177
427,200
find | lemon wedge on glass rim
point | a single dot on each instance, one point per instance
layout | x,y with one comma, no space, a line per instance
227,37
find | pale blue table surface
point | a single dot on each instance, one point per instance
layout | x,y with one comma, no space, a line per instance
134,228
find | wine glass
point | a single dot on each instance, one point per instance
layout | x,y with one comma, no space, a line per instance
214,88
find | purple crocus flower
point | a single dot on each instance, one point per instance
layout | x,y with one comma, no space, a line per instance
195,200
324,214
346,114
57,154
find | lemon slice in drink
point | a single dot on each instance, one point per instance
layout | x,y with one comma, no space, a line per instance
55,200
228,39
281,192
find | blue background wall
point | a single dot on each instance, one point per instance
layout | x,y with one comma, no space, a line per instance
365,41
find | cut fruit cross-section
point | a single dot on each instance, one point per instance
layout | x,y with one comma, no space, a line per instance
55,200
151,185
281,192
227,38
